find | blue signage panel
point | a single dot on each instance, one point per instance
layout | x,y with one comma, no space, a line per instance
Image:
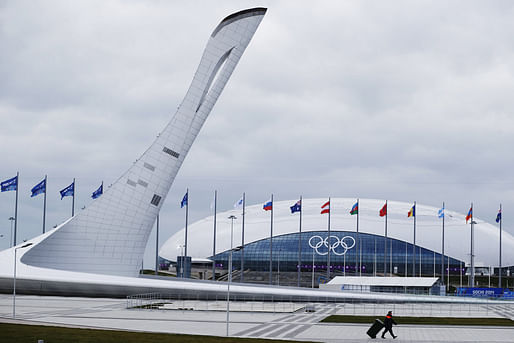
479,292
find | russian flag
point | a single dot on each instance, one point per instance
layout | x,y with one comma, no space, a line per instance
268,206
470,214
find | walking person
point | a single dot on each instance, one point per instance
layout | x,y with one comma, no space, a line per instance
388,324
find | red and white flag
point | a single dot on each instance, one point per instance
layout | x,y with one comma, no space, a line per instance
325,208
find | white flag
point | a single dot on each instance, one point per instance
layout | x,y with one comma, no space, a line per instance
239,203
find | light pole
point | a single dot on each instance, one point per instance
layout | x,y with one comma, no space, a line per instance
14,280
472,253
12,219
232,217
278,267
312,281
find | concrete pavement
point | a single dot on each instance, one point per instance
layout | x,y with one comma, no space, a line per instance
112,314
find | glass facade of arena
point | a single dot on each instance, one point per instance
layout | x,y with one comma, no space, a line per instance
344,256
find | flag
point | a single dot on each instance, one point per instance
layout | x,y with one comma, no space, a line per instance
9,185
499,216
440,213
239,203
412,212
39,188
296,207
383,210
184,200
68,191
355,209
268,206
98,192
469,215
325,208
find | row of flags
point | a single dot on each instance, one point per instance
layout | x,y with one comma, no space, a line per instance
325,208
12,185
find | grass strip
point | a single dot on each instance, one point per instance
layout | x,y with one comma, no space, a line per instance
422,320
20,333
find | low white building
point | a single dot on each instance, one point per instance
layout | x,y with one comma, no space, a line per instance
418,285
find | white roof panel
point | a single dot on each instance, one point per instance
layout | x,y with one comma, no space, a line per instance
384,281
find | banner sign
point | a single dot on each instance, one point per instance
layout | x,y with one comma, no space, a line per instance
479,292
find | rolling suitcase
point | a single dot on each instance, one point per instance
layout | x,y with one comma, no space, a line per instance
375,328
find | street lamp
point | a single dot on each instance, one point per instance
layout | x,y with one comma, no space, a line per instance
12,219
14,280
232,217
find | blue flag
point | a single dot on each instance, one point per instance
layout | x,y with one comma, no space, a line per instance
68,191
440,213
184,200
39,188
499,216
9,185
98,192
296,207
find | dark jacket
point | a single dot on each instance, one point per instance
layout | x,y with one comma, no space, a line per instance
389,321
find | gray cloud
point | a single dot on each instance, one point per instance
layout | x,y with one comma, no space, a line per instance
405,101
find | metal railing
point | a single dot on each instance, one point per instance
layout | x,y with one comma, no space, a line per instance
256,303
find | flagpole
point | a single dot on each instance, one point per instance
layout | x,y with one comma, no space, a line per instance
157,246
185,236
44,207
390,255
500,253
472,259
243,240
358,263
419,255
214,238
447,272
414,245
442,249
328,238
300,244
406,263
16,207
385,244
271,245
73,200
375,258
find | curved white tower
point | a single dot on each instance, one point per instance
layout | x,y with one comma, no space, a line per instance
110,235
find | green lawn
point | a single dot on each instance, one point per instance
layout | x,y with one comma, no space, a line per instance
422,320
17,333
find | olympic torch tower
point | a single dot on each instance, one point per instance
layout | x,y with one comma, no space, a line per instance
110,235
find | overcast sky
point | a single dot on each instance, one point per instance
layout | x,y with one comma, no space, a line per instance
395,100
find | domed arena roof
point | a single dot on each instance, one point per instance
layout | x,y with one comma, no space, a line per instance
400,226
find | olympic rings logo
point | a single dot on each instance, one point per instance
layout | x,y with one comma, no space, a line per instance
345,243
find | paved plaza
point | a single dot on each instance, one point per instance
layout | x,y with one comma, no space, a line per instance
293,324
